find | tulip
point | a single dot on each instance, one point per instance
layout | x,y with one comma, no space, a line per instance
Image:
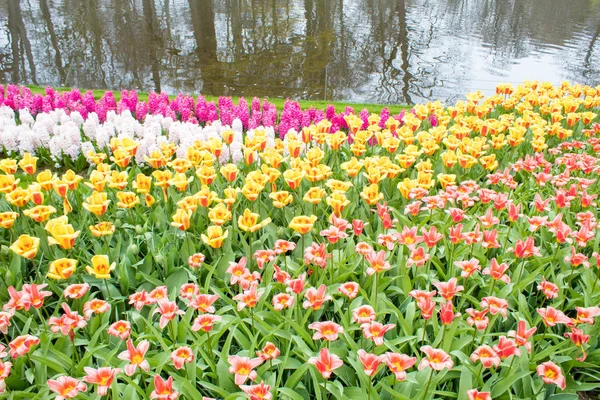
135,356
257,392
66,387
326,363
327,330
214,236
475,394
205,322
103,377
120,329
182,355
436,359
375,331
302,224
26,246
243,368
398,364
163,390
21,345
551,373
100,268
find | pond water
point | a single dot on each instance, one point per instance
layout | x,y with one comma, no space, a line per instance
387,51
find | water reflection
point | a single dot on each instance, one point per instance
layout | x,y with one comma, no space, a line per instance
357,50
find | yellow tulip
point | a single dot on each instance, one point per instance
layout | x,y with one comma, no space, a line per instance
26,246
156,159
205,196
96,158
96,203
39,213
338,186
8,166
406,186
7,219
214,236
181,219
71,179
206,174
127,199
248,221
45,179
281,198
142,184
337,201
447,180
352,167
251,190
162,178
188,203
371,194
62,233
35,194
219,214
181,165
97,181
118,180
314,195
28,163
230,195
18,197
302,223
121,157
181,181
62,268
229,172
102,229
100,268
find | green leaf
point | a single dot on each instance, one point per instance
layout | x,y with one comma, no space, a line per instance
504,384
290,393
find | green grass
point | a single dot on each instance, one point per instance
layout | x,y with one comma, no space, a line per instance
278,102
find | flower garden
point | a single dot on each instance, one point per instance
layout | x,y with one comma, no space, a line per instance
179,248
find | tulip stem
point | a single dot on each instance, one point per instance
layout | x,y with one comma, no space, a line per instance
375,298
538,392
595,284
443,335
480,376
511,365
473,337
39,312
173,333
520,271
492,286
424,330
571,276
107,291
249,250
428,383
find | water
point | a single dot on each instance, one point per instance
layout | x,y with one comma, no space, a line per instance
387,51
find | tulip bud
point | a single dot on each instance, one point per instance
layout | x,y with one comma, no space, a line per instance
139,230
281,232
133,249
5,251
159,259
118,223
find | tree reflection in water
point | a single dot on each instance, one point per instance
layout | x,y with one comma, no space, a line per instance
391,51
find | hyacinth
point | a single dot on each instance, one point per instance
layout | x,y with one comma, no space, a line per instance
439,252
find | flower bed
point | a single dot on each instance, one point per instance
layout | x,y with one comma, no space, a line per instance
441,253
